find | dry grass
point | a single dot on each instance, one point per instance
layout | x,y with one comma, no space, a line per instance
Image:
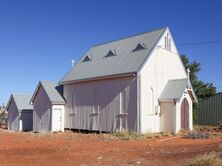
132,136
41,135
72,137
204,128
198,135
211,159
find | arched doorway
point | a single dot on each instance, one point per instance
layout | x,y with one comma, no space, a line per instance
185,115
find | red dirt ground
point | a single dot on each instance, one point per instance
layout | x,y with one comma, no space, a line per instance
92,149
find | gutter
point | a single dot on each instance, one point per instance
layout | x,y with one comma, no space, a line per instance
168,100
132,74
57,103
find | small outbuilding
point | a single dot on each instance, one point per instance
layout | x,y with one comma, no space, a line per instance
20,113
48,107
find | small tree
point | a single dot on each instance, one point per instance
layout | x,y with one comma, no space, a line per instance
202,90
3,116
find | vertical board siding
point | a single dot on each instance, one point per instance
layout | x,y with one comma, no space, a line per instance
210,110
96,105
42,112
167,120
13,117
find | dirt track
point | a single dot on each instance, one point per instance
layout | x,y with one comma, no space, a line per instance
92,149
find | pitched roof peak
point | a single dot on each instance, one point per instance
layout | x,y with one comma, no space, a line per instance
126,61
21,101
130,36
52,89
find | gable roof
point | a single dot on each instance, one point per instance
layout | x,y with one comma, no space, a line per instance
174,90
53,91
125,62
21,102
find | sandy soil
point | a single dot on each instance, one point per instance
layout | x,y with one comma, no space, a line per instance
93,149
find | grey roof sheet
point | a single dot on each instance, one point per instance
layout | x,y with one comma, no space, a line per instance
126,61
174,89
22,101
54,91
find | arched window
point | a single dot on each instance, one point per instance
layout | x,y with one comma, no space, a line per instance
151,99
95,105
123,102
73,103
167,42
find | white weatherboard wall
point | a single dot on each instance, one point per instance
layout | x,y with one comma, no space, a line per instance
96,105
13,118
42,112
172,44
161,66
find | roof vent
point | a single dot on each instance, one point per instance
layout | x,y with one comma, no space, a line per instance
139,47
86,59
110,53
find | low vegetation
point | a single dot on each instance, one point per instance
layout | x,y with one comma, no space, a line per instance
72,137
125,135
204,128
211,159
198,135
201,132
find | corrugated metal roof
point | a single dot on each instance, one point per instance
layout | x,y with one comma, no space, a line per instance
22,102
54,92
125,61
174,89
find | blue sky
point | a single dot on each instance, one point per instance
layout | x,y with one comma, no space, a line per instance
39,38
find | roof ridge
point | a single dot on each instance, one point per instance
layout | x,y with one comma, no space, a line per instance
48,81
178,79
21,101
129,36
21,94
